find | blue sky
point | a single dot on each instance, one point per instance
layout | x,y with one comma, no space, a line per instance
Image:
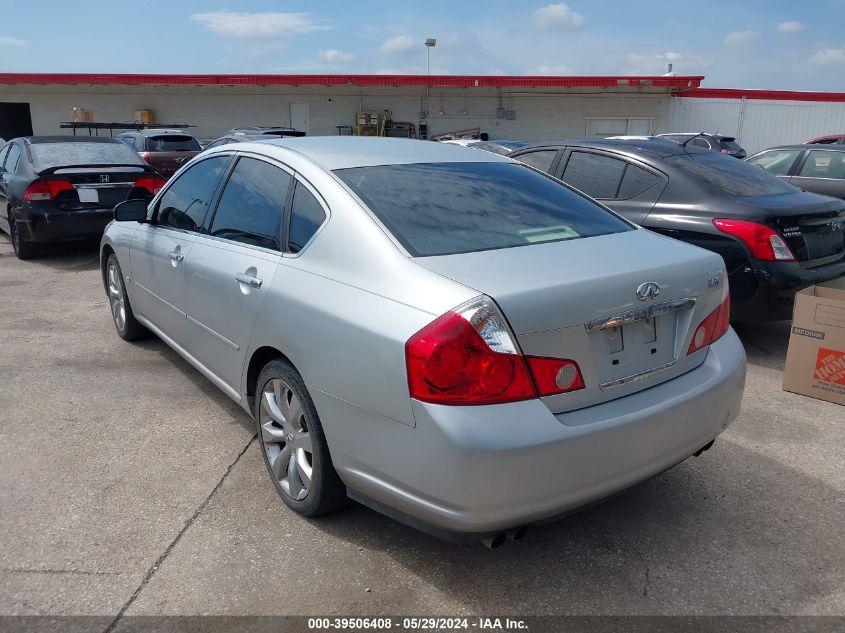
773,44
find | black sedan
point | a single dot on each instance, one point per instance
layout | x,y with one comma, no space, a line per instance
775,239
816,169
58,188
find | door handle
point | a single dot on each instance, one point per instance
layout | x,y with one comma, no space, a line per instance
176,256
252,282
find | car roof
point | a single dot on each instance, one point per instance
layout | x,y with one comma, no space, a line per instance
805,146
341,152
158,132
69,139
633,146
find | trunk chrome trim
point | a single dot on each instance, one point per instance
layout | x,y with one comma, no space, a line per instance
106,185
623,318
635,377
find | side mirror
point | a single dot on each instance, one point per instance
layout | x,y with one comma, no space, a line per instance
131,211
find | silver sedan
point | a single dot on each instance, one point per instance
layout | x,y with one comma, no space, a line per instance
448,336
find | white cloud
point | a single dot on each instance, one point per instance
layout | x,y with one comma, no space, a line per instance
550,70
334,56
12,41
399,45
791,27
557,17
829,56
738,38
240,24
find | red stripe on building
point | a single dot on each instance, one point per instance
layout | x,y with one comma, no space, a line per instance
774,95
450,81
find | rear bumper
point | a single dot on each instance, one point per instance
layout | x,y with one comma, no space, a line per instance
479,470
53,225
767,291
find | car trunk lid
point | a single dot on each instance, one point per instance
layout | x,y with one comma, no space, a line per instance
579,300
813,226
99,187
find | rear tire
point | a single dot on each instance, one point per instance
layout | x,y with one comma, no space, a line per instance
124,320
293,444
23,249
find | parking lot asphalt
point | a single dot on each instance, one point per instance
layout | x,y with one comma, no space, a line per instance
131,485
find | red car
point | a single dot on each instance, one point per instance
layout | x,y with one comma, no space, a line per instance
830,139
165,150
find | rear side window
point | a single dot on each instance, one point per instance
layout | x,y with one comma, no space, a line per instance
306,216
172,143
185,203
635,181
728,175
596,175
541,160
12,158
823,164
446,208
48,155
253,202
777,162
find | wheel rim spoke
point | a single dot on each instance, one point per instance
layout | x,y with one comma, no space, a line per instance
273,408
303,469
280,463
272,434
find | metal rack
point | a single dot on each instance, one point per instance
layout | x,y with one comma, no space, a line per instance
94,128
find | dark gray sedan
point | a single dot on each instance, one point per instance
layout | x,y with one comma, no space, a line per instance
812,168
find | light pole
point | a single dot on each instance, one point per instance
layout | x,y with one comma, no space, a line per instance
430,43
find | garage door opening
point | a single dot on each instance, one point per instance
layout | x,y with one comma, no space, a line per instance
15,120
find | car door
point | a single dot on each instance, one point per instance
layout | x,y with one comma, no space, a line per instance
233,263
161,247
822,171
4,185
629,189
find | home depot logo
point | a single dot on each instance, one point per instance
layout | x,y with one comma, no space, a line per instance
830,366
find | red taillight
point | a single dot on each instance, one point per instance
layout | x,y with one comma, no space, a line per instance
764,242
449,363
152,184
467,356
713,327
555,375
40,190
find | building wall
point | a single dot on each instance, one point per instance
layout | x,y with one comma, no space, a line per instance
540,114
757,123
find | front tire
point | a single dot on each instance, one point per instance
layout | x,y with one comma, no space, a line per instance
125,323
23,249
293,444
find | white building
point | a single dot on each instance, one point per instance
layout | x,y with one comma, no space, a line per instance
529,108
505,107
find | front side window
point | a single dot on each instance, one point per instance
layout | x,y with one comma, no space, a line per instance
777,162
541,160
823,164
306,216
186,201
594,174
447,208
253,202
728,175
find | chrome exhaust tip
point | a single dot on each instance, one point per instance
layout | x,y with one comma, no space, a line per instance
517,534
495,541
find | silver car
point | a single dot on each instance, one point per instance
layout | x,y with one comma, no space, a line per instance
445,335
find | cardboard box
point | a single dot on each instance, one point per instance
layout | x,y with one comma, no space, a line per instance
815,360
145,116
81,115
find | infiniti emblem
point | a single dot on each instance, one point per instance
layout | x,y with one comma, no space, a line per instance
647,290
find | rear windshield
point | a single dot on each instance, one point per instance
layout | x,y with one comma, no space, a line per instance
729,175
172,143
446,208
50,155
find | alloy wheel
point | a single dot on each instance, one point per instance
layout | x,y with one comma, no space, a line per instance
286,438
116,299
